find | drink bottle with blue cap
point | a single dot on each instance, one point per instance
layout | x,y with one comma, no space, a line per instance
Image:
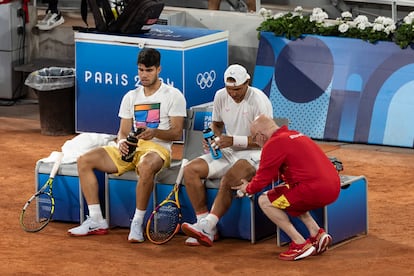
209,137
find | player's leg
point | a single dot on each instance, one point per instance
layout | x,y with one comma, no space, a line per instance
95,159
194,172
214,4
148,166
273,204
251,5
318,236
205,230
242,169
98,159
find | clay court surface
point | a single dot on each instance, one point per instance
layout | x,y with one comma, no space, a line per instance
388,249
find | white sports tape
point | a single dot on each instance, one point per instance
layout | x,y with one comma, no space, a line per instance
240,141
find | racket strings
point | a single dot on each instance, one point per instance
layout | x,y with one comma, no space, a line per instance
163,224
37,213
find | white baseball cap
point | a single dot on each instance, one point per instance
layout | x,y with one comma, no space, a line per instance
238,73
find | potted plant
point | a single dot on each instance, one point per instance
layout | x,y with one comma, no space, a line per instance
294,25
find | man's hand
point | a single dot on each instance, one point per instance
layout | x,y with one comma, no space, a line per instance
241,189
147,134
224,141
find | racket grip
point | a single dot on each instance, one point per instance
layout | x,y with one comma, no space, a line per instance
56,165
181,171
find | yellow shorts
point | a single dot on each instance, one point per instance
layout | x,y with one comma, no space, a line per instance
143,148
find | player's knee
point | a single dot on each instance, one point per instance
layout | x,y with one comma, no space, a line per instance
196,169
244,167
84,162
145,169
149,166
189,171
263,201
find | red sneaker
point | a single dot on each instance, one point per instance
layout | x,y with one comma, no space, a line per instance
321,241
298,251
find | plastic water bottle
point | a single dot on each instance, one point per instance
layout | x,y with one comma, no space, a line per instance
132,142
209,136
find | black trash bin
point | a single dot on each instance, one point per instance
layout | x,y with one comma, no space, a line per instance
55,88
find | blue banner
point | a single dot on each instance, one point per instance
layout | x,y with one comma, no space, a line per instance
340,89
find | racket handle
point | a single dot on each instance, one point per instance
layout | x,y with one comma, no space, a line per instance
56,165
184,162
181,171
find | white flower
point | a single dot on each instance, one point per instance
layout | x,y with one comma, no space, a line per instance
361,19
363,25
317,10
378,27
382,27
343,28
409,19
390,29
262,12
278,15
389,21
386,21
265,13
318,15
298,9
379,19
346,15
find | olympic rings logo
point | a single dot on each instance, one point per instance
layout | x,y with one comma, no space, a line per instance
206,79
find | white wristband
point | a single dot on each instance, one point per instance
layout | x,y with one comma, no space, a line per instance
240,141
120,142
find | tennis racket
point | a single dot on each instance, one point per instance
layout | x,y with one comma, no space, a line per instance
164,221
39,209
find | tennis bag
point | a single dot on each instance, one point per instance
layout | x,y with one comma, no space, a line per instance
124,16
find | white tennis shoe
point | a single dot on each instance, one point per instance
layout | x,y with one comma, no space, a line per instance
136,232
200,231
89,227
190,241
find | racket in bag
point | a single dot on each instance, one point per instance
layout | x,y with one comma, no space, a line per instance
123,16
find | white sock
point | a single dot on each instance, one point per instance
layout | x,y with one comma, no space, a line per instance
201,216
95,212
139,216
212,220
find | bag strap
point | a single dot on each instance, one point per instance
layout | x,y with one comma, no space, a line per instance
135,11
101,18
84,12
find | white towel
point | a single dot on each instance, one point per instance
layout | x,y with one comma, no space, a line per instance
79,145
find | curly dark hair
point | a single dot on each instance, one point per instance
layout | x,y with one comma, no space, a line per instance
149,57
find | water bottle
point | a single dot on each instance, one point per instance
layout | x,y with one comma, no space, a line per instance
132,142
209,136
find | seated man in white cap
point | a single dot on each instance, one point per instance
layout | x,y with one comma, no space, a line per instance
234,109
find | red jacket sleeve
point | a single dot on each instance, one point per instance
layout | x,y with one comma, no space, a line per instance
268,172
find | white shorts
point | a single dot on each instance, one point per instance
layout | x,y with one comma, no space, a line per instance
218,167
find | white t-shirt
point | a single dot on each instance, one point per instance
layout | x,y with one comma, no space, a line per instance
153,111
237,117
